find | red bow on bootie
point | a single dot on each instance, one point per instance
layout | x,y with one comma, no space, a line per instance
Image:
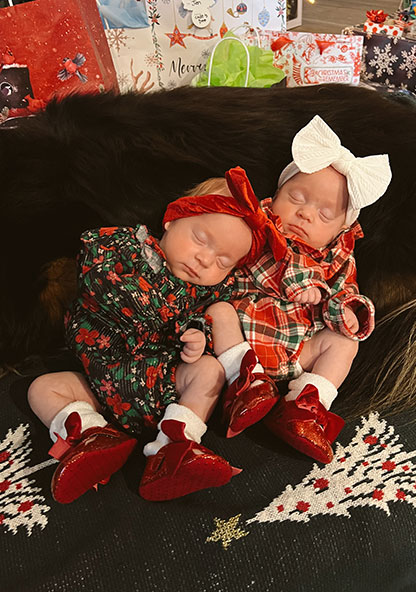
308,400
182,467
305,424
245,405
87,458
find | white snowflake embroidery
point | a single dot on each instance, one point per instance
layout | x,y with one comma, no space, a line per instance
372,470
383,60
116,38
21,504
409,61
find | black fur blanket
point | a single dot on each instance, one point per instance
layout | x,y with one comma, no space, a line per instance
106,159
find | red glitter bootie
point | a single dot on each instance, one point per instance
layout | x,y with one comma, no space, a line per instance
244,404
87,458
182,467
305,424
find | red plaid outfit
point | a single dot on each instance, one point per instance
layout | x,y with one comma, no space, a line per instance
275,326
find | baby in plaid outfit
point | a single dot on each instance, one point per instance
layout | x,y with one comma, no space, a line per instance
303,314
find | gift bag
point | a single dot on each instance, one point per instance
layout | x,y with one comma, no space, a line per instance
239,62
51,47
181,36
388,60
318,58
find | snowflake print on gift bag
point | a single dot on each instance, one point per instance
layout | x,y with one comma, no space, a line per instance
390,61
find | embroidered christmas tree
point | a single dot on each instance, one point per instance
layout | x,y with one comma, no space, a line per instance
373,470
21,504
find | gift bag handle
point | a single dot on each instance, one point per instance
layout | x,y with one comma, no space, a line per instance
213,52
248,29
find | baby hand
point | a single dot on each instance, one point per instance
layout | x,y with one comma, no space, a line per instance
194,347
351,320
309,296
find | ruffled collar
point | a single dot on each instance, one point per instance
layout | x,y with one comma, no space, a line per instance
331,257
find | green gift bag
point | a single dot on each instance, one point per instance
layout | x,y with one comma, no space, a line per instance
234,63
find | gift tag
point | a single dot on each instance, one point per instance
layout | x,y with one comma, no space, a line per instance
201,18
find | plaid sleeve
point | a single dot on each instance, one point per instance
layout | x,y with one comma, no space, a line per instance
300,276
344,294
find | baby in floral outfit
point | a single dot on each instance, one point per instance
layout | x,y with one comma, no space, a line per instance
136,327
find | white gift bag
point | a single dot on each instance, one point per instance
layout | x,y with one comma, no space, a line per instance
180,37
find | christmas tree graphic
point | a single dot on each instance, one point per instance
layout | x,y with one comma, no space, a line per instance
372,470
21,505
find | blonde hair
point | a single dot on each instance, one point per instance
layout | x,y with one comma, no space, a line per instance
216,185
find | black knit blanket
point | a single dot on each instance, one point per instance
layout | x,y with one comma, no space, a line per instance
284,524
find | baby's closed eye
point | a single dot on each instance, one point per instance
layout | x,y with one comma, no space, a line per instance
224,263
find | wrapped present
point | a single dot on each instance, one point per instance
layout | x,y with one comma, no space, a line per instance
317,58
390,61
395,30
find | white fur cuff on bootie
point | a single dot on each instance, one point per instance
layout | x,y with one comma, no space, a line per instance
89,419
195,428
327,391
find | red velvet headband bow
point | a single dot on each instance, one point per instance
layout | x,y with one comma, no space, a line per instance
243,204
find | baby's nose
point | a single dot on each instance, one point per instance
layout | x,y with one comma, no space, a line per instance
205,257
305,213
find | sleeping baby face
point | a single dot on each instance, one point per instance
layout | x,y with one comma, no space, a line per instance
204,249
312,207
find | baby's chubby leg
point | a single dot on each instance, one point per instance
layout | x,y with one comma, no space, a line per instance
51,393
303,418
330,355
177,464
89,450
251,394
199,385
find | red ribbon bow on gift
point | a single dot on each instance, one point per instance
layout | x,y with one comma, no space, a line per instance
376,16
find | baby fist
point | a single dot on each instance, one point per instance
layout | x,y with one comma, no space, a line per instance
194,347
351,320
309,296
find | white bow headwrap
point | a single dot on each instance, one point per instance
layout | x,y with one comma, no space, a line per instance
316,147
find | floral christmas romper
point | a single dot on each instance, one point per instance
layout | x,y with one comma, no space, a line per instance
275,326
126,323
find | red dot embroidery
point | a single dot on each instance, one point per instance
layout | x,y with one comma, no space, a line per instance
25,506
389,465
4,485
321,484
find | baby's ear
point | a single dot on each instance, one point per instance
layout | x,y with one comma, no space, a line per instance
167,224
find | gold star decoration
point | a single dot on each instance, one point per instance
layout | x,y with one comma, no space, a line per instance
227,531
176,37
